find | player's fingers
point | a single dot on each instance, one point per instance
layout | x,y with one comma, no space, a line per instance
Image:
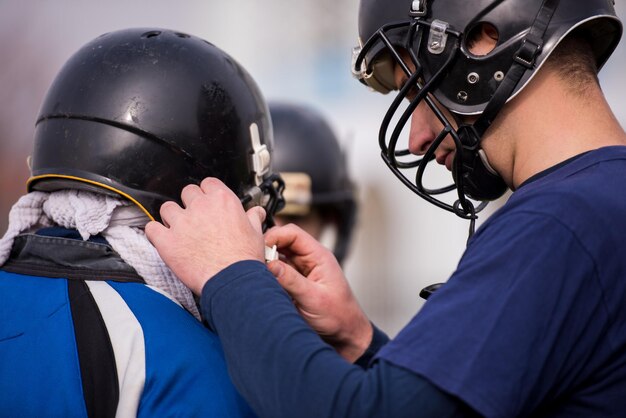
155,232
211,184
190,193
170,211
295,284
219,192
256,215
293,238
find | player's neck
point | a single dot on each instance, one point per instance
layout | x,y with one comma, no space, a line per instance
547,124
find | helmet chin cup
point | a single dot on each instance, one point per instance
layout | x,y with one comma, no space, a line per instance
479,182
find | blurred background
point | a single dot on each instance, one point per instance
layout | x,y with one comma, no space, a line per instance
296,50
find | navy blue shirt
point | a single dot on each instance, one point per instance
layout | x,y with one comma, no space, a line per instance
533,322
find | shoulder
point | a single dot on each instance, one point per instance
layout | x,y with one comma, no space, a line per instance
182,362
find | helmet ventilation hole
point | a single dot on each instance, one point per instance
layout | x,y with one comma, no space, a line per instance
482,39
181,35
151,34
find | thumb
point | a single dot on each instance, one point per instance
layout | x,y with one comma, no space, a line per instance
295,284
256,216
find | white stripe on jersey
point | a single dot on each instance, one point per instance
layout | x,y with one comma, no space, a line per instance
164,293
128,346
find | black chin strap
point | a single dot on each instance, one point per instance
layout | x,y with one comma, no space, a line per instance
524,59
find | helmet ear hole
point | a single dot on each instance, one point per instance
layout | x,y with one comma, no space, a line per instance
482,39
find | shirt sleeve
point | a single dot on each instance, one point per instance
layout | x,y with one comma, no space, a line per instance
284,369
379,339
516,324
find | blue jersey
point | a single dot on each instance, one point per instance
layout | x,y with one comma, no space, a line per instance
93,340
534,319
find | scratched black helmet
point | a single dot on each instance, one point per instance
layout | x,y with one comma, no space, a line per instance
143,112
310,160
436,34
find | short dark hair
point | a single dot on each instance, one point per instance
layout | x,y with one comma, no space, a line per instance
574,61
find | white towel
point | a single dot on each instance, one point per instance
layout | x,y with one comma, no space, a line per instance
118,220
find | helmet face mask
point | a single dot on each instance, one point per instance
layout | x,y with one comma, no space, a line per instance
417,89
430,42
143,112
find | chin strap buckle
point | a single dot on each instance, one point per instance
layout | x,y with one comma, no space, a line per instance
529,51
271,253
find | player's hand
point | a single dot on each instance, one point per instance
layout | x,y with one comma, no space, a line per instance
210,233
313,278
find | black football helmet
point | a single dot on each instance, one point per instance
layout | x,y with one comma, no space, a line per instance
308,157
435,34
143,112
